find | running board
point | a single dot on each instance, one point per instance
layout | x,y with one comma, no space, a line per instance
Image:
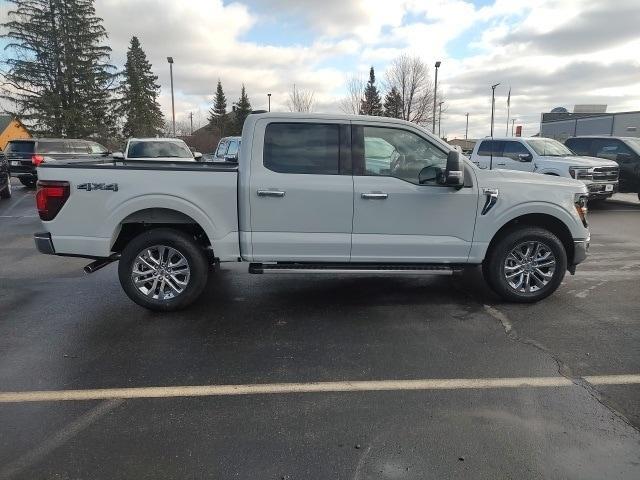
359,268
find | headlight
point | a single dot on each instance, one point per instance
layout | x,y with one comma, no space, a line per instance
581,173
580,203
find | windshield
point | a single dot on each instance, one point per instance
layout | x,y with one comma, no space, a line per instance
157,149
634,144
549,147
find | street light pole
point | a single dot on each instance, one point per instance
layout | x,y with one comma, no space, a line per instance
439,116
513,122
435,98
269,97
466,130
173,108
493,104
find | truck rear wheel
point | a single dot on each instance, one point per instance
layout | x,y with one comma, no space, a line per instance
163,269
526,265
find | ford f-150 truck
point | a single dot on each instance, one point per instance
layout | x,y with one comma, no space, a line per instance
315,194
549,157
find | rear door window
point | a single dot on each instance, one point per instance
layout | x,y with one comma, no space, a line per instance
308,148
78,147
491,147
610,149
54,146
222,149
96,148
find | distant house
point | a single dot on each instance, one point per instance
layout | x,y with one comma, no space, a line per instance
11,129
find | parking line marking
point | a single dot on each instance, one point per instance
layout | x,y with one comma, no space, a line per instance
313,387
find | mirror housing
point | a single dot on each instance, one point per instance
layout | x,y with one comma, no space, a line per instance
454,173
117,156
197,156
525,157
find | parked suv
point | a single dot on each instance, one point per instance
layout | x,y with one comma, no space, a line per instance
550,157
25,155
625,151
5,177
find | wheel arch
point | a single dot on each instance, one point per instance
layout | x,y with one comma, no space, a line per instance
542,220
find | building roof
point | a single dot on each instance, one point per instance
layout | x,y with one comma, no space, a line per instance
5,120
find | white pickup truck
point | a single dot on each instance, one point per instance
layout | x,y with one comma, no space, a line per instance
157,149
315,194
548,157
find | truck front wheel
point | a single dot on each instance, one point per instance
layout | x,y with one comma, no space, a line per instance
163,269
525,265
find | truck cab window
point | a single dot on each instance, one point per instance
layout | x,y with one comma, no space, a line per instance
513,149
307,148
401,154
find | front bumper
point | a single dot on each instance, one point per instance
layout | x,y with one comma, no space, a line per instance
580,252
44,243
602,189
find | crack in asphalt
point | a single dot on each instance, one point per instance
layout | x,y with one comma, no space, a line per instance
563,369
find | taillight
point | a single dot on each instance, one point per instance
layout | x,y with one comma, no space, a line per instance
50,197
37,159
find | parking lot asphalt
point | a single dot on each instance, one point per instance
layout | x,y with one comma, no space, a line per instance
62,330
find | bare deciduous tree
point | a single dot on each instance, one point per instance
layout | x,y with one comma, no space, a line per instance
300,100
411,78
355,93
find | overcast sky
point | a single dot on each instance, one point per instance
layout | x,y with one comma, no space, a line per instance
551,52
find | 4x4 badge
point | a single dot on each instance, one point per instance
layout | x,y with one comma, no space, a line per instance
98,186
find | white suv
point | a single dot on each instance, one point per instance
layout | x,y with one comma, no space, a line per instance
550,157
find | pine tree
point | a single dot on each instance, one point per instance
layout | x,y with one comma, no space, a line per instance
139,95
393,104
218,114
371,104
242,111
58,74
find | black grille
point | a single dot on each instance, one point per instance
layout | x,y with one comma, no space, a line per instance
605,174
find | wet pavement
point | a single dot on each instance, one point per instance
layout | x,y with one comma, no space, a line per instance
61,330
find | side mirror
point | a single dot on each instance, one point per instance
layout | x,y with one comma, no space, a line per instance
197,156
525,157
117,156
454,173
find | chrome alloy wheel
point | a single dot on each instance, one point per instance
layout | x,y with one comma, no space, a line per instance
160,272
529,266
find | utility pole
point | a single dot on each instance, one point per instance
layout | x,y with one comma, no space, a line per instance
466,130
439,116
435,97
191,119
269,98
493,108
173,108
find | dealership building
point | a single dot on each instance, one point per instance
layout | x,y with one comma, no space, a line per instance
589,120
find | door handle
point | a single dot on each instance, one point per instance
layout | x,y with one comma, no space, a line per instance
501,164
271,193
374,196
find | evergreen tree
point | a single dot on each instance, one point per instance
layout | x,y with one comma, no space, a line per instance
393,104
242,111
139,95
58,74
371,104
218,113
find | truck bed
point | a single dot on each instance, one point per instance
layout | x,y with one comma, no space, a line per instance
104,197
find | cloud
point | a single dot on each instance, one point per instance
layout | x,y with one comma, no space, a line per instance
552,52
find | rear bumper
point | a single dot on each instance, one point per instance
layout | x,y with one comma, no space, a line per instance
44,243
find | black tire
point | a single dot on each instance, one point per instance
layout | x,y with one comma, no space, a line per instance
6,191
186,247
495,266
28,182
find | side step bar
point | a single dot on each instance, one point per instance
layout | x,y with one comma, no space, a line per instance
359,268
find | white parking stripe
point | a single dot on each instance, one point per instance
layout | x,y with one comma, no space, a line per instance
315,387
